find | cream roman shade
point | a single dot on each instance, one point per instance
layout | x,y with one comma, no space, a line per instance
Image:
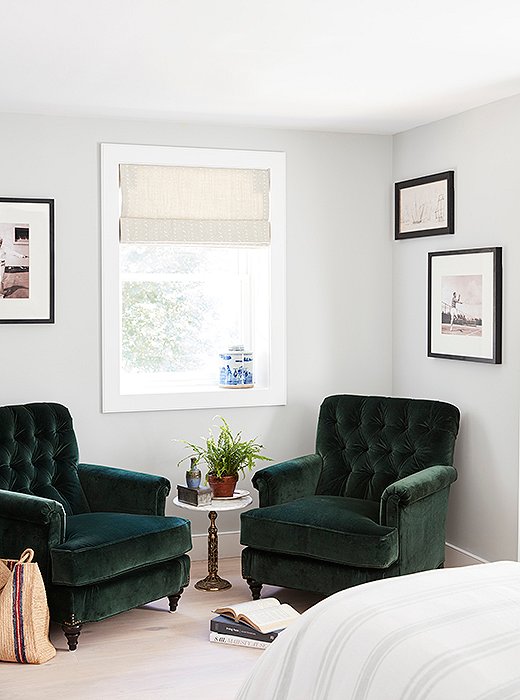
200,206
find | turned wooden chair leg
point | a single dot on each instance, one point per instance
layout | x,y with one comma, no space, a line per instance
174,600
72,632
255,587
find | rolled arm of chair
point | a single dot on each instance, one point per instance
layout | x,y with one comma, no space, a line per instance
122,490
288,480
30,521
414,488
30,509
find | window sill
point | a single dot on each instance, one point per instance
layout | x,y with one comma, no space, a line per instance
200,397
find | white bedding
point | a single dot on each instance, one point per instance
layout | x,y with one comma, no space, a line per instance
451,634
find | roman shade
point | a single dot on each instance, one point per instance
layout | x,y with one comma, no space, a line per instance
194,205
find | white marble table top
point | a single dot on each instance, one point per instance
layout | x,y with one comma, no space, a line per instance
218,505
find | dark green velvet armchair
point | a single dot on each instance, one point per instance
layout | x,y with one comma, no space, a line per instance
100,536
369,504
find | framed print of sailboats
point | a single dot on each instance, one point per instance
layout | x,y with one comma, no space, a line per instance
425,206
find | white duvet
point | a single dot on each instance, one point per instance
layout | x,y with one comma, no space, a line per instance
451,634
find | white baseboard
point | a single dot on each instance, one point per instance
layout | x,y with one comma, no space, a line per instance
455,556
228,546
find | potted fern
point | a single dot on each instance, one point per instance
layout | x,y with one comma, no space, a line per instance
227,456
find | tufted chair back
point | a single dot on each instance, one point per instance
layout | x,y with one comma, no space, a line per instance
39,454
368,442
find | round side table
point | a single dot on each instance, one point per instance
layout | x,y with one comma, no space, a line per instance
213,582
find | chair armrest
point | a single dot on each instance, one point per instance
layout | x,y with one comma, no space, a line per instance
30,521
413,488
30,509
122,490
288,480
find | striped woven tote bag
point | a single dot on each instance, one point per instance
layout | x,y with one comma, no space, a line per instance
24,614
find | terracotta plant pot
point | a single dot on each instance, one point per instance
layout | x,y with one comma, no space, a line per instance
223,487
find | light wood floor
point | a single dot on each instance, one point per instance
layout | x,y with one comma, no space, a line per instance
149,653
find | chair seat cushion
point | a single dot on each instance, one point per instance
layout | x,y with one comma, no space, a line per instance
100,546
333,528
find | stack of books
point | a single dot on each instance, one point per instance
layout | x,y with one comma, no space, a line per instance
255,624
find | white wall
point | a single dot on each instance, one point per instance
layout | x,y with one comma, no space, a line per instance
338,285
483,147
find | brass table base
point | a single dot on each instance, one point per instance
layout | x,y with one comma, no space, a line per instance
212,582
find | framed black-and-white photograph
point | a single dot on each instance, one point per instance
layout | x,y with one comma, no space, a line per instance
465,305
425,206
26,260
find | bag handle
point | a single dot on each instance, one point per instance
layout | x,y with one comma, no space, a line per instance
26,556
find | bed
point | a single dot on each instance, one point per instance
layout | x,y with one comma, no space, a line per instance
451,634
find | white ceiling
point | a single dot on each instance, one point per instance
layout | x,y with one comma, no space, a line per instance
378,66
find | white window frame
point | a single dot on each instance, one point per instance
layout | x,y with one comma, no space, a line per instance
275,393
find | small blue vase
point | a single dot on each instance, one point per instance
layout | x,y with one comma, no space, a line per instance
193,476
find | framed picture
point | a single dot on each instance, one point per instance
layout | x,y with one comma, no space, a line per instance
465,305
425,206
26,260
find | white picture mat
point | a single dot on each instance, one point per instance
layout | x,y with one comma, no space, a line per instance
454,265
36,215
423,198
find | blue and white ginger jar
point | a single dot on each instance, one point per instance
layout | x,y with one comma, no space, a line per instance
236,368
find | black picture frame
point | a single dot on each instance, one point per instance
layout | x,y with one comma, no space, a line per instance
26,260
425,206
465,304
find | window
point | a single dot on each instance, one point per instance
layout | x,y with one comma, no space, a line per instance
193,262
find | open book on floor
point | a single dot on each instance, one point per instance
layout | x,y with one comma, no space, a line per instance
227,625
264,615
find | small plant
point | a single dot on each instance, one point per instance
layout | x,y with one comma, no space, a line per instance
226,454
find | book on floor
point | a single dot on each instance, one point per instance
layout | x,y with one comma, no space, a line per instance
237,641
225,625
264,615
